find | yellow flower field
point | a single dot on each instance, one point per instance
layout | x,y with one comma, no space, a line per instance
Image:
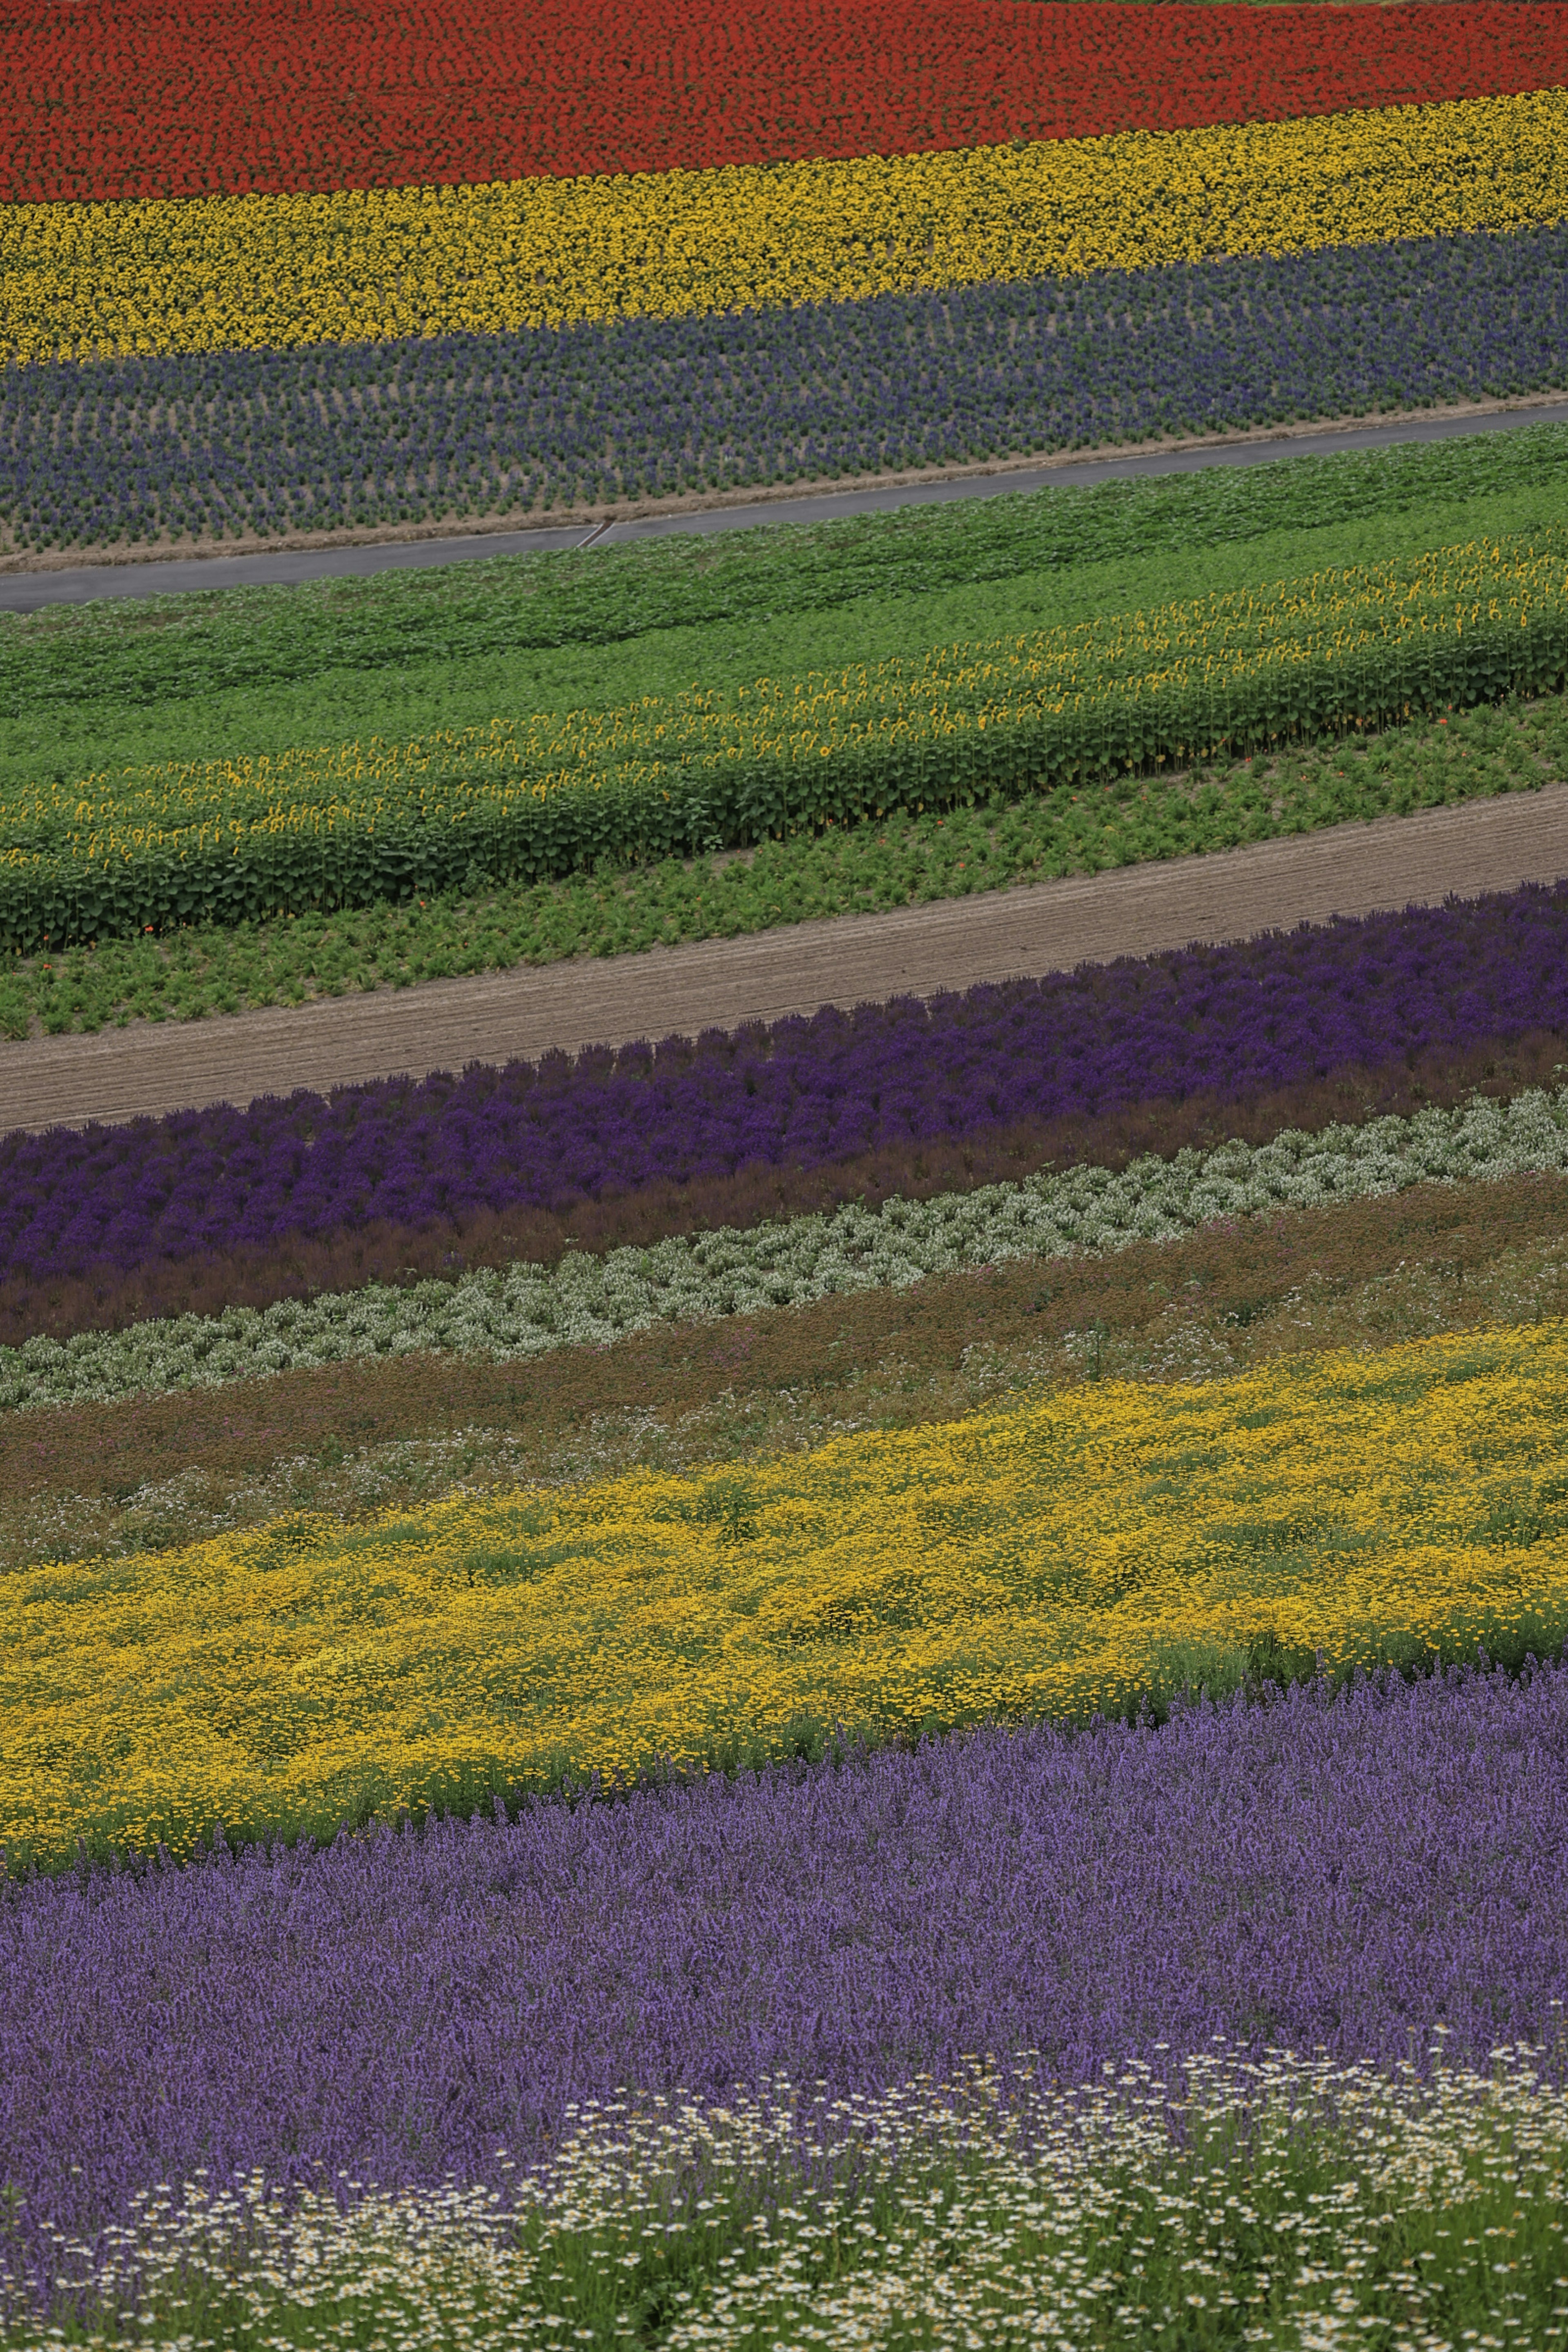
1038,1559
258,272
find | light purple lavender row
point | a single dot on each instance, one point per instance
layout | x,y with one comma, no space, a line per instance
1348,1872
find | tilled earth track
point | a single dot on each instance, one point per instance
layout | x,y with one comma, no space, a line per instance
153,1068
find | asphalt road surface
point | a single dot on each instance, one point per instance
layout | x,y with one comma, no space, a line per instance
29,592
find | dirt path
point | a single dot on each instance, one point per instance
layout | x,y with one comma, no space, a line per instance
717,983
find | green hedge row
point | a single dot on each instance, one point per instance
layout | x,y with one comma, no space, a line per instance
471,834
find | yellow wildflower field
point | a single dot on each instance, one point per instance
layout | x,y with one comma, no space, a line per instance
366,265
1046,1557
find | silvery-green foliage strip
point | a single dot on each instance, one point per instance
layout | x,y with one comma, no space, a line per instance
525,1310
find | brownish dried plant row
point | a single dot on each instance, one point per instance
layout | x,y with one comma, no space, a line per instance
104,1297
155,1472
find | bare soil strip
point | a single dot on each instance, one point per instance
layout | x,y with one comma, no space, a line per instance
153,1068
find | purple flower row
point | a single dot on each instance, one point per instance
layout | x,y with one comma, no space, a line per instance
336,435
1232,1022
1345,1873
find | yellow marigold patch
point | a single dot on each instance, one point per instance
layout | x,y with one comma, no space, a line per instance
1038,1559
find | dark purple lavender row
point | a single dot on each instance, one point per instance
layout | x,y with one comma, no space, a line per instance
1228,1022
1345,1873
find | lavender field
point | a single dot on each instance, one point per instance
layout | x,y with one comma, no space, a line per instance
1346,1874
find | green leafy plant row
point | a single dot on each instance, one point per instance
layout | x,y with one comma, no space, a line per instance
1054,711
153,651
72,741
201,970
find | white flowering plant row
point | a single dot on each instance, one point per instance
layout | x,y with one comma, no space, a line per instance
1306,2204
525,1310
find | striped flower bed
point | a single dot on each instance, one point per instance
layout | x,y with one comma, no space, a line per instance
1432,985
892,1683
528,1310
571,293
273,273
1086,1553
463,425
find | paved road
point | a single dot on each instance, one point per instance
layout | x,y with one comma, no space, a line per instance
1045,927
28,591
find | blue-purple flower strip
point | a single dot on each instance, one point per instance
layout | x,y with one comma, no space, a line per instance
464,424
1231,1022
1347,1873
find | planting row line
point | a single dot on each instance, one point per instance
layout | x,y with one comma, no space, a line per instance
539,799
400,1157
457,425
1082,1552
157,655
365,265
97,104
408,2010
990,2204
527,1311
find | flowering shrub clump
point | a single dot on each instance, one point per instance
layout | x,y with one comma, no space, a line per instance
97,103
93,282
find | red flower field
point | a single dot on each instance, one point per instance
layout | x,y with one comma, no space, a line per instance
282,95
